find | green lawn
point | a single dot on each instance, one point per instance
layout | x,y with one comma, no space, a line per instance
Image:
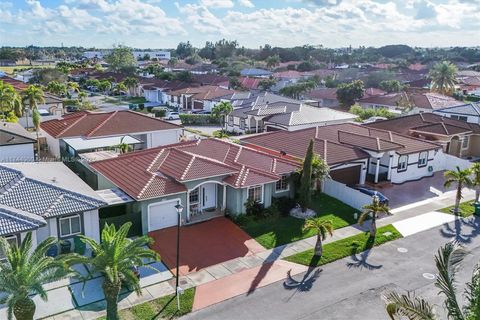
135,100
346,247
9,69
161,308
274,232
466,209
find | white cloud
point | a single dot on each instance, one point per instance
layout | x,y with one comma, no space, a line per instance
246,3
201,19
217,3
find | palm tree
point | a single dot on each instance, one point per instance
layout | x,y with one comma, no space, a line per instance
131,83
33,95
443,77
447,260
73,86
476,179
9,99
56,88
462,179
320,171
123,146
172,62
36,119
116,258
119,87
82,95
221,111
24,273
322,228
372,210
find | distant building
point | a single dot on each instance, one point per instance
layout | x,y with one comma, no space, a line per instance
160,55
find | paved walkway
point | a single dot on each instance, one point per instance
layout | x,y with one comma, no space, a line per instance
245,274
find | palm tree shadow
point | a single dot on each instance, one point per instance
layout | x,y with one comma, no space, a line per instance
309,278
360,261
264,269
457,232
157,316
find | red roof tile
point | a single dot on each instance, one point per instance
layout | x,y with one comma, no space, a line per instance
100,124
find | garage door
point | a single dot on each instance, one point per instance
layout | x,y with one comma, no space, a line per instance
162,215
349,176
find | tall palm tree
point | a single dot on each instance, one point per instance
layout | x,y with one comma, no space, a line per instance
36,119
25,271
131,83
372,210
33,95
9,99
123,146
443,77
322,228
447,261
476,179
462,179
115,258
56,88
221,111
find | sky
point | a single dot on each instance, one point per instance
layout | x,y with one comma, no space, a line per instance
253,23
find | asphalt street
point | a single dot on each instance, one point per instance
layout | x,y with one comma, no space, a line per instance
352,288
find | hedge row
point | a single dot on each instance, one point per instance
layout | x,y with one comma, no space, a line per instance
199,119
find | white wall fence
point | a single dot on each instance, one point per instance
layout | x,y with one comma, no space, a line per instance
340,191
451,162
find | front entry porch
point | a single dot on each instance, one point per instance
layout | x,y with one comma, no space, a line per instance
206,201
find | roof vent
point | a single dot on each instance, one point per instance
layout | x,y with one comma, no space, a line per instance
283,153
54,179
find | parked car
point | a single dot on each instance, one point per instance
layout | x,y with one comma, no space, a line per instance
371,192
173,116
202,112
71,108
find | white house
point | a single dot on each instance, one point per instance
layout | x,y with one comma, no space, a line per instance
47,199
466,112
16,143
95,131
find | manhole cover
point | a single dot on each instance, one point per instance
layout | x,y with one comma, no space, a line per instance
402,250
429,276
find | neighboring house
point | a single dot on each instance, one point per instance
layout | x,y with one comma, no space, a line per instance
16,143
458,138
87,131
283,116
208,177
198,98
373,92
469,112
431,101
394,102
244,82
357,153
47,199
155,90
252,72
322,97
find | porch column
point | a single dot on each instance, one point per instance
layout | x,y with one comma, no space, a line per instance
363,173
224,196
390,161
377,168
256,125
187,207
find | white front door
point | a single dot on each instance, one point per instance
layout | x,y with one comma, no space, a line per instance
209,195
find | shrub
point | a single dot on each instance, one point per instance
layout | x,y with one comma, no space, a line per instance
198,119
141,106
149,109
284,205
254,208
160,113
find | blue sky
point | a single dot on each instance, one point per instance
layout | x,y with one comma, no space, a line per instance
164,23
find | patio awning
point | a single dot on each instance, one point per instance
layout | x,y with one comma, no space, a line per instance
114,196
85,144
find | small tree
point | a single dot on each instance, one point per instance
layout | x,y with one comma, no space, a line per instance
115,258
347,93
221,111
25,271
372,210
462,179
320,171
322,228
305,192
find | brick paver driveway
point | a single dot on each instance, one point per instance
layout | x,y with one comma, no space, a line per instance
203,244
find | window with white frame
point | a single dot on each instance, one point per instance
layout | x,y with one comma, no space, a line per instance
12,240
465,142
282,184
230,121
193,198
402,163
255,193
70,226
422,159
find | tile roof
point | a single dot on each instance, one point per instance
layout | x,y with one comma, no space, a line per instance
432,101
426,121
469,109
391,99
25,202
100,124
14,133
339,143
307,115
322,93
161,171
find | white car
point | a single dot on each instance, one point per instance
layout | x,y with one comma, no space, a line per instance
172,116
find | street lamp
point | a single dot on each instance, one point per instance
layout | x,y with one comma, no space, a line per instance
179,209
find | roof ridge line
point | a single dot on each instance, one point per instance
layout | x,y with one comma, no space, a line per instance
102,123
74,123
140,194
155,160
182,177
54,204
